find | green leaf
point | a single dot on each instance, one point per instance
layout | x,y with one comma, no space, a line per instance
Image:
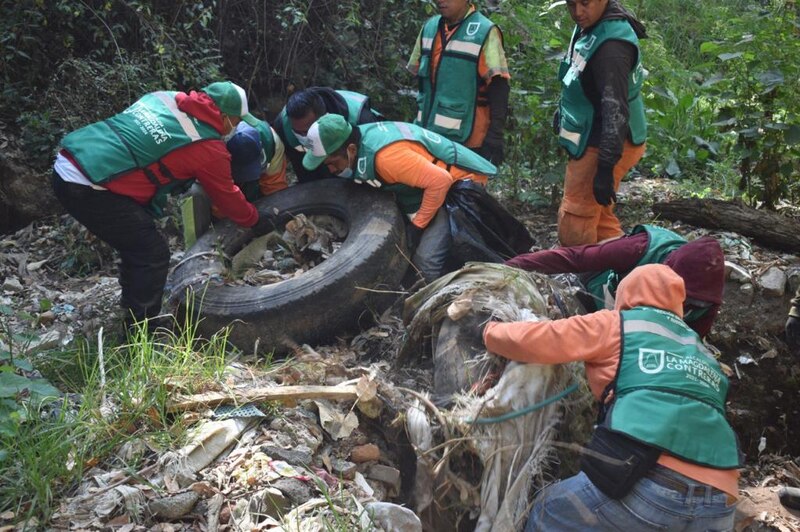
23,364
709,47
729,56
792,135
672,169
771,78
665,93
705,144
11,384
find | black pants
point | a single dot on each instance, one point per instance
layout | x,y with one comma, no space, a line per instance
128,228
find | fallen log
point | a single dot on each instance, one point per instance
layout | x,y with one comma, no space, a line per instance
765,227
271,393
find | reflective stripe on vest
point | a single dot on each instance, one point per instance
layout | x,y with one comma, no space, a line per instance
141,135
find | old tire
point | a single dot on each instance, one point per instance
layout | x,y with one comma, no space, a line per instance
328,300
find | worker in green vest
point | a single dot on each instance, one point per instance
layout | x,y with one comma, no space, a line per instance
462,73
700,263
663,456
600,120
113,177
416,165
304,107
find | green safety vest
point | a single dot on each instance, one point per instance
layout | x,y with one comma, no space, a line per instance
378,135
670,391
447,105
355,105
137,137
660,243
576,111
267,139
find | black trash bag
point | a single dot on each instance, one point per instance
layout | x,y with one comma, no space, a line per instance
481,228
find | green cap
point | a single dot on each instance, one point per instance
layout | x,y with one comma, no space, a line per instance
325,136
231,100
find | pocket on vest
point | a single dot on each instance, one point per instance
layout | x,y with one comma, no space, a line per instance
448,118
570,132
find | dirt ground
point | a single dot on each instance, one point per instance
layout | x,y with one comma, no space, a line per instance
55,260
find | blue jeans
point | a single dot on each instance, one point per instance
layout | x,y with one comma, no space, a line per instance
576,504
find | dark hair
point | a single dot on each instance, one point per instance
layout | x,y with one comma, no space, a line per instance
301,102
353,138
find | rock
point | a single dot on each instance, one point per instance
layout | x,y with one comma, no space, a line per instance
174,506
388,475
47,318
292,456
12,284
42,342
343,468
773,282
748,291
793,279
365,453
269,501
737,273
297,491
393,517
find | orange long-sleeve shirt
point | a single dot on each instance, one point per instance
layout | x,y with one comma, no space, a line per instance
409,163
595,339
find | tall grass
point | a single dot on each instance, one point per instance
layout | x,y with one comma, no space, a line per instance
46,457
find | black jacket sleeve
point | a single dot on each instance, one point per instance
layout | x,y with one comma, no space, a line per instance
605,83
497,94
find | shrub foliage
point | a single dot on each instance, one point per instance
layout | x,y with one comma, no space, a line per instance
722,97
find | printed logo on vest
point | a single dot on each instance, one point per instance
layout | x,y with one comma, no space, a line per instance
472,28
361,165
651,361
590,42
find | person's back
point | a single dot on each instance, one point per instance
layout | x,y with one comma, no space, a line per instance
602,266
669,452
416,165
113,176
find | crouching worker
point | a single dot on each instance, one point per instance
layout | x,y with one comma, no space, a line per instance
258,162
258,167
700,263
663,455
113,177
417,165
304,107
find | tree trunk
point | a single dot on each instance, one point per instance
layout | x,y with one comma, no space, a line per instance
767,228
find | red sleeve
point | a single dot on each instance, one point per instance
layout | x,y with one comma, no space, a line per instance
620,255
212,168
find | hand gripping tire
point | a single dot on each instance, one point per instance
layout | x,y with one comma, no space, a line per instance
328,300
